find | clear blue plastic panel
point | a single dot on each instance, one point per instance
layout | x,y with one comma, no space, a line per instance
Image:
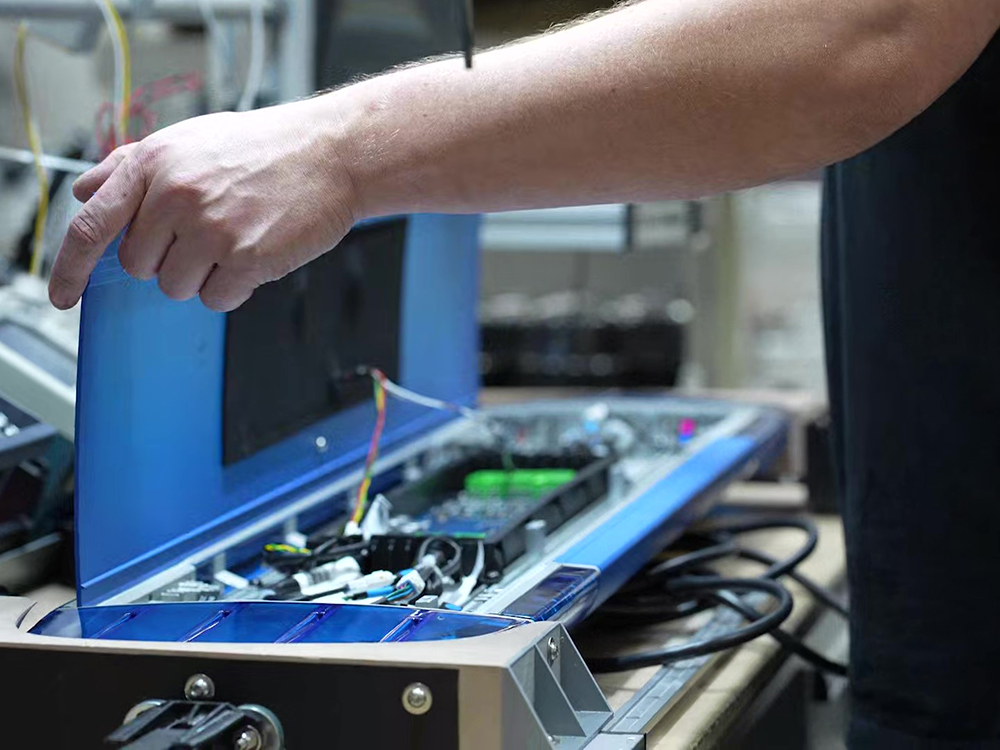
151,487
566,595
268,622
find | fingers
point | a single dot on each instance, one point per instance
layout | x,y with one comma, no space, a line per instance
186,268
90,181
95,227
146,241
227,288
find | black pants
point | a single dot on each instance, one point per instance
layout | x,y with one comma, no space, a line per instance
911,275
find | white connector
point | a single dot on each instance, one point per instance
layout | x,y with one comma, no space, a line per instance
413,578
328,577
374,580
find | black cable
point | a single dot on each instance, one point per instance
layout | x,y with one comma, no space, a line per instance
331,547
326,554
448,566
777,568
818,592
739,636
675,565
642,601
295,562
651,613
468,30
786,639
782,567
314,597
651,598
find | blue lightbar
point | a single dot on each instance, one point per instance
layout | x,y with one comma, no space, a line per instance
268,622
566,596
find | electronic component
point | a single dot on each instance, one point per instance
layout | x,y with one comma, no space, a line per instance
440,505
462,515
191,591
525,482
323,579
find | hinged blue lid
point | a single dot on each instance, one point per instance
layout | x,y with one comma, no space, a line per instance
152,482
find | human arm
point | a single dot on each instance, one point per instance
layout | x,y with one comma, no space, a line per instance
659,99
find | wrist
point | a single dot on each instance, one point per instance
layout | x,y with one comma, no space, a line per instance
348,119
330,131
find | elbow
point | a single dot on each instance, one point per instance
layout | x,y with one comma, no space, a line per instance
893,61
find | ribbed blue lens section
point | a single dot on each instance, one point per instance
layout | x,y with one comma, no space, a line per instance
442,626
566,595
268,622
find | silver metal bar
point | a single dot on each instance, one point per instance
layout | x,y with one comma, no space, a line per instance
58,163
665,687
617,742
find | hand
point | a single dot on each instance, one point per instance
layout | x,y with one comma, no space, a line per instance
215,206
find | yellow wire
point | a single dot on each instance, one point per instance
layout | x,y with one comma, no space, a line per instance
366,483
126,94
35,144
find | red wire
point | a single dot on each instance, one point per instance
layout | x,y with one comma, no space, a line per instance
373,446
142,98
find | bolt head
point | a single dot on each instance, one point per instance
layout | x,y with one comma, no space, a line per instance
321,444
199,687
553,649
248,739
417,699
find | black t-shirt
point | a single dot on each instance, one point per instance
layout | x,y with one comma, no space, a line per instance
911,277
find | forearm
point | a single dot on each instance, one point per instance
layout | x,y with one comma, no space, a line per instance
662,99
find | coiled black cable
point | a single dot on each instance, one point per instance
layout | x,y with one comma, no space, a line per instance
819,593
701,586
653,597
789,641
780,567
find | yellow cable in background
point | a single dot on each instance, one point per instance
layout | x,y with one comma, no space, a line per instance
35,144
117,27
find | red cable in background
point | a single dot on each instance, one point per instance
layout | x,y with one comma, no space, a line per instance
140,109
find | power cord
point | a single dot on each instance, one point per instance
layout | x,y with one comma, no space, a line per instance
819,593
699,586
786,639
654,596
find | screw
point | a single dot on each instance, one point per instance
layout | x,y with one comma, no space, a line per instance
199,687
321,444
417,699
249,739
553,647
